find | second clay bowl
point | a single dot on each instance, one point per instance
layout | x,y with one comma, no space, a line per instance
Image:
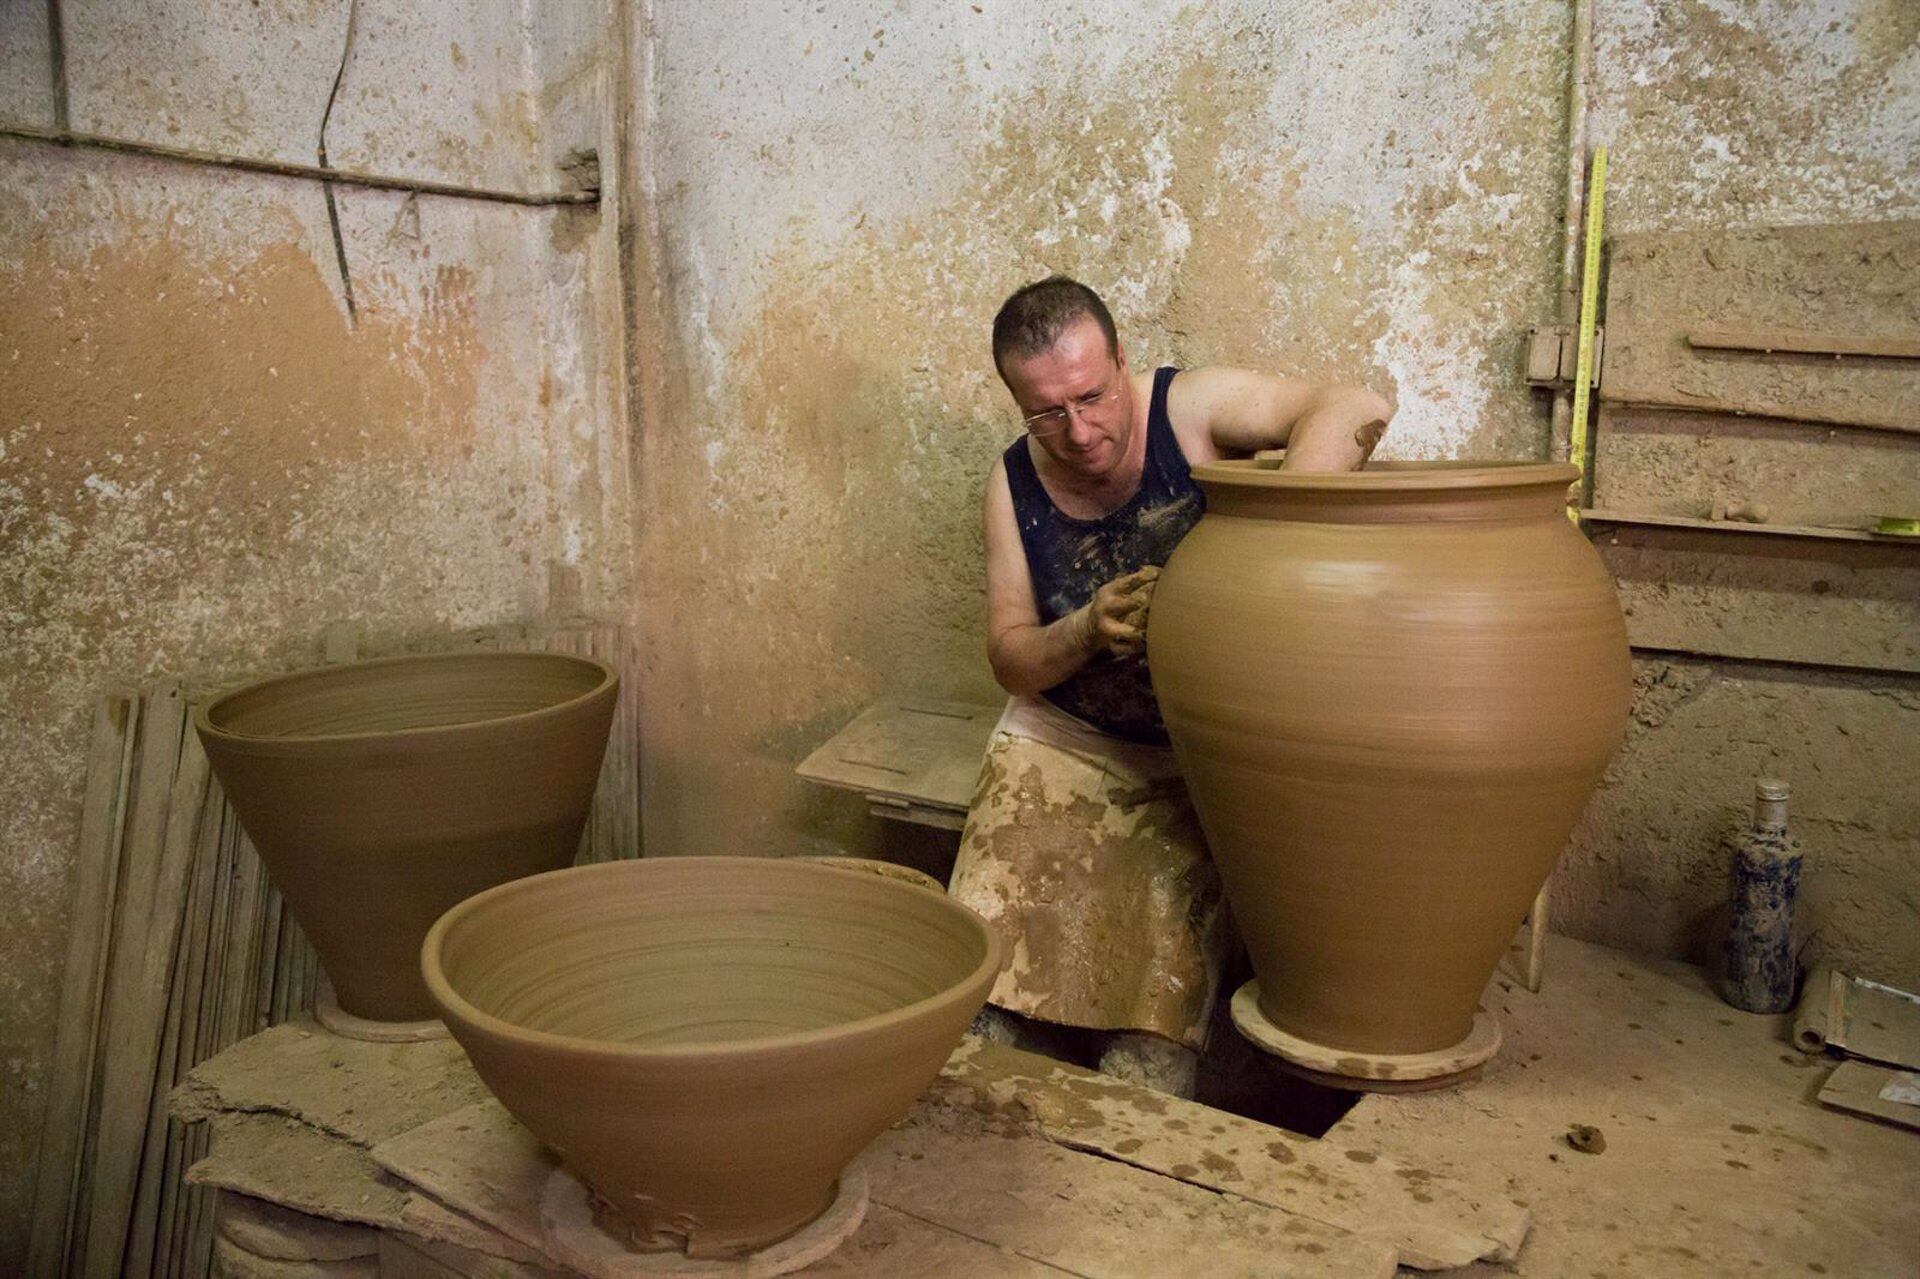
381,793
707,1042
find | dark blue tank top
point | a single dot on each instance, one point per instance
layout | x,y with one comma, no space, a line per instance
1071,558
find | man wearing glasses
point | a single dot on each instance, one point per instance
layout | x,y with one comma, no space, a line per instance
1081,844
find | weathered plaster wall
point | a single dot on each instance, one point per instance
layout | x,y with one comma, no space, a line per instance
204,460
1363,191
1357,191
1740,115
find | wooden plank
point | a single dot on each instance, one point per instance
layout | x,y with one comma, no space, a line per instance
203,936
1844,604
363,1092
298,1167
147,1039
219,924
892,1242
1861,1087
286,961
76,1044
194,1241
272,912
1810,413
152,1195
955,1169
906,810
480,1162
1600,516
919,750
1795,341
1430,1223
309,983
411,1256
427,1218
228,926
1666,463
155,856
190,1003
990,1179
243,936
1836,279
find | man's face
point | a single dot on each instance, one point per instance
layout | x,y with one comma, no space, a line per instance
1077,398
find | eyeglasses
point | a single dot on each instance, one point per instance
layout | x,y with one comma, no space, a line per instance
1054,421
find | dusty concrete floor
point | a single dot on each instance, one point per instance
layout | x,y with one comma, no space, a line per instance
1719,1160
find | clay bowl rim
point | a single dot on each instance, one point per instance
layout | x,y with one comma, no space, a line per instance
1394,475
455,1006
203,714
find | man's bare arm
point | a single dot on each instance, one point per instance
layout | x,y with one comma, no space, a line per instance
1027,655
1324,426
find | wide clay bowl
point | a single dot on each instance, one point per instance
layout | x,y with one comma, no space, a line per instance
708,1041
1391,693
380,794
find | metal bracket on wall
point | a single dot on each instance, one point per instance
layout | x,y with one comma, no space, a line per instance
1553,350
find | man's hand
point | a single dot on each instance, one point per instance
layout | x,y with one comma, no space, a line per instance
1114,621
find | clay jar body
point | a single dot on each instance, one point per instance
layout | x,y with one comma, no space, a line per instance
1391,693
379,794
707,1041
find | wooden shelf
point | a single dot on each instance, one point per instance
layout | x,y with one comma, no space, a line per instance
1598,516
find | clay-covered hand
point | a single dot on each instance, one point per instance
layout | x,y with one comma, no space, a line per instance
1114,621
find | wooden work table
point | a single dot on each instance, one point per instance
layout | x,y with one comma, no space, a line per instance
1718,1159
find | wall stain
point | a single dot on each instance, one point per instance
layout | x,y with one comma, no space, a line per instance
201,466
812,481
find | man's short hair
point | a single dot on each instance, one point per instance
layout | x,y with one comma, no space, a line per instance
1034,317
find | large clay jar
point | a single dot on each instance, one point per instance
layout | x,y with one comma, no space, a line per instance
379,794
1391,693
708,1041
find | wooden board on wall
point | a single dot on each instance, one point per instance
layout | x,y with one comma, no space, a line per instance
1854,279
1854,605
1658,462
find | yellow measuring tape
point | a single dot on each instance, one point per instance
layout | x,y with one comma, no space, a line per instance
1589,316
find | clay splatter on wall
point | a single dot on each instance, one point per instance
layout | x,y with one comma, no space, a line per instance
812,484
203,464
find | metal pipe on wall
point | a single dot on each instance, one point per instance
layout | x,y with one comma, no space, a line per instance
285,169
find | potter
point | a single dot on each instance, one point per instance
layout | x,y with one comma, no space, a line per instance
1081,845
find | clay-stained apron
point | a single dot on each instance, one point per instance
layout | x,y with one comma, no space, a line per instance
1085,851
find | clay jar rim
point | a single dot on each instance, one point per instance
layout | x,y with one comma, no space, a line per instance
1392,476
457,1007
203,715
